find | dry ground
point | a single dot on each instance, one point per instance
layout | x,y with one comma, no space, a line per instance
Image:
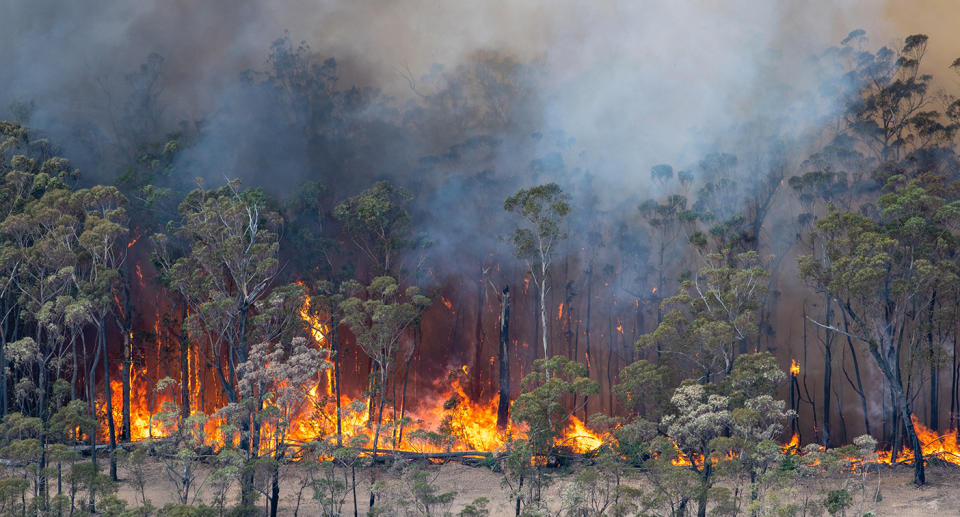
941,497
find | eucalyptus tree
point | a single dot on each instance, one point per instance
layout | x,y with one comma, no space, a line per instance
29,167
379,315
103,242
43,238
714,314
541,210
227,262
273,383
228,247
892,112
880,271
378,223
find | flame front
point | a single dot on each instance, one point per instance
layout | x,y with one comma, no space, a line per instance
472,424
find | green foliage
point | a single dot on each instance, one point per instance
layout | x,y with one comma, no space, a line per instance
541,208
477,508
644,388
540,405
716,316
378,222
379,315
838,501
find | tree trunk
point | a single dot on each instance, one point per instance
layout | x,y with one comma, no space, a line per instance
827,375
336,376
185,365
275,491
934,368
478,362
919,474
503,407
543,311
587,351
125,366
704,489
856,370
905,414
954,400
111,425
3,362
44,419
406,375
91,396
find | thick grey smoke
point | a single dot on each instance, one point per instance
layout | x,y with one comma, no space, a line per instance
635,83
599,92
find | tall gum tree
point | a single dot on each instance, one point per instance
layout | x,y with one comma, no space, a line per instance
228,245
877,279
541,210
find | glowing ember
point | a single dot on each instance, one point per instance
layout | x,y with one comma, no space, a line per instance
794,367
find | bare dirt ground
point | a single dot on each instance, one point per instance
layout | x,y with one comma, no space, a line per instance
941,496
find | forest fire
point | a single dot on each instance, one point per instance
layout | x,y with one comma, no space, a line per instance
470,425
297,267
944,447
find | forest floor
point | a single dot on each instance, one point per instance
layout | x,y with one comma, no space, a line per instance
900,498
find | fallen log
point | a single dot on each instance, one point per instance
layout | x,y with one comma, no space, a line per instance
412,455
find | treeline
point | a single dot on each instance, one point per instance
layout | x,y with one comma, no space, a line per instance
874,239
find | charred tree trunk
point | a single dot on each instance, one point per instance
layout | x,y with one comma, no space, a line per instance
336,377
275,491
406,375
111,425
478,340
503,407
184,365
126,328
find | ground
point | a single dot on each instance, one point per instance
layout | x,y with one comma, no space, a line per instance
900,498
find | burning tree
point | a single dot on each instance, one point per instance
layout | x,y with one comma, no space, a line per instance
273,384
876,277
228,260
379,315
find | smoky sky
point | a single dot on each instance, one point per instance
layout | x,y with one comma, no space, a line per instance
632,83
